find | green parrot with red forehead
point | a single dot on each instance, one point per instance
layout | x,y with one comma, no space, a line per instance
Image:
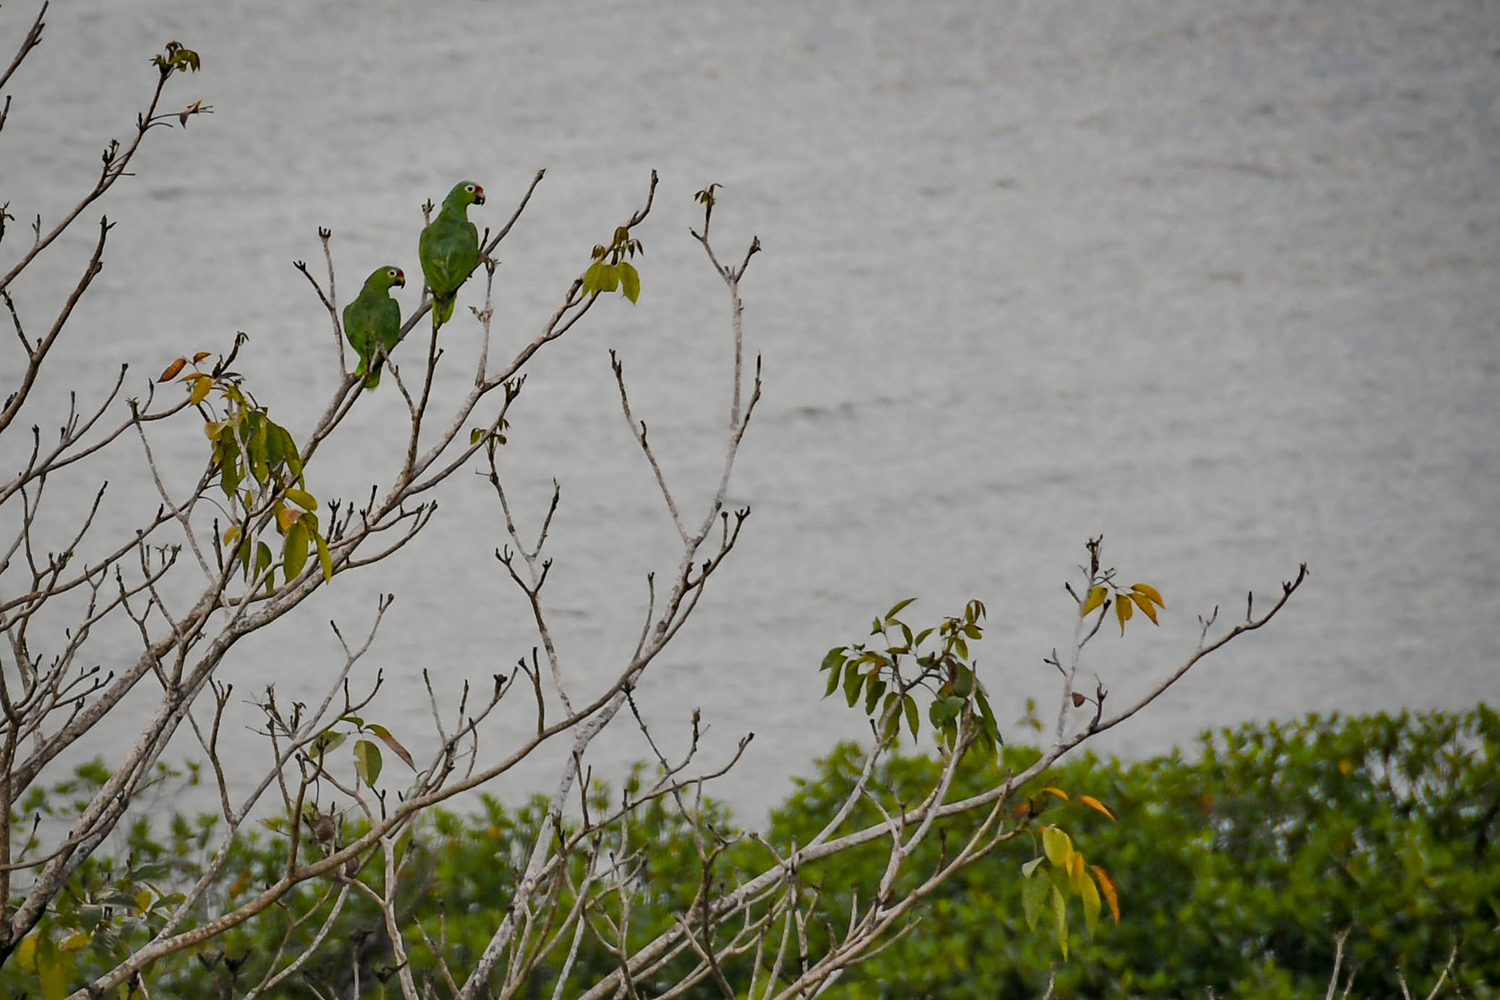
449,249
372,322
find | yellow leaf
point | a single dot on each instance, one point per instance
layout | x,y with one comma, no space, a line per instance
1123,612
143,900
76,941
232,535
287,516
1150,592
199,356
1144,603
26,953
1096,598
201,385
1056,791
1058,847
1094,803
1107,886
1076,878
172,370
325,558
212,428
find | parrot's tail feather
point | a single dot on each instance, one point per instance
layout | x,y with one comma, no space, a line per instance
373,379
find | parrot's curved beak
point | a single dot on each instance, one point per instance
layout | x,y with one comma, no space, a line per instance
478,195
401,278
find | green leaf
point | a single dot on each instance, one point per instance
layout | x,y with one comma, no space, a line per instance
963,681
833,679
1030,867
367,762
630,282
324,556
289,455
294,550
263,560
890,711
945,709
229,473
302,498
986,714
476,436
326,741
1090,894
1033,897
1060,920
909,704
852,681
834,658
874,688
897,608
609,277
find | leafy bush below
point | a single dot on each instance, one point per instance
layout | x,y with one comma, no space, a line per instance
1237,870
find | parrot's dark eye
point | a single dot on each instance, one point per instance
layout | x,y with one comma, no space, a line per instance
469,188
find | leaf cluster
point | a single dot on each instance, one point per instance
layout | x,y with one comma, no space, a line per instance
612,270
177,58
1125,601
114,903
935,662
259,471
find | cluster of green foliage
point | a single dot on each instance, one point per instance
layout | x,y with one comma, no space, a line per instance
1237,870
259,470
611,270
876,674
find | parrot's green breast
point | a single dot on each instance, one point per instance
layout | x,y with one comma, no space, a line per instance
372,322
449,248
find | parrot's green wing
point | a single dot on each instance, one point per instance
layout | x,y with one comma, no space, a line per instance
372,322
449,249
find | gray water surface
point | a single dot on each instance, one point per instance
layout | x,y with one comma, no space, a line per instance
1218,280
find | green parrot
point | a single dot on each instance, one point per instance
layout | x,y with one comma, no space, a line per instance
449,249
372,322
